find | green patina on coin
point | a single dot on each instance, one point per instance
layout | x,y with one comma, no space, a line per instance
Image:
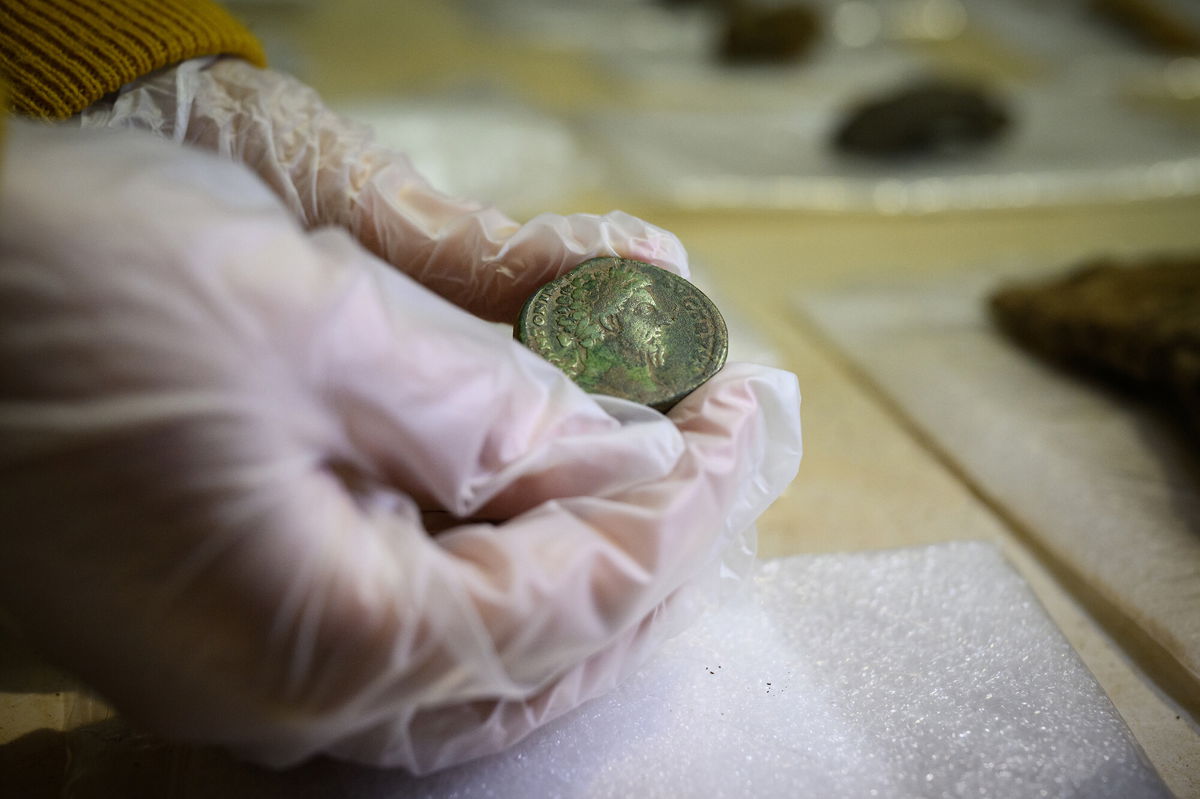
626,329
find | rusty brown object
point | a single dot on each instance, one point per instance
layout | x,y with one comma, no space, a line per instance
1135,323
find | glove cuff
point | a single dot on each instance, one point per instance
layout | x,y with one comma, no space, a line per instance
60,56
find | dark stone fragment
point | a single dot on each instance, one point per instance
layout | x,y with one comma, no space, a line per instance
768,34
929,118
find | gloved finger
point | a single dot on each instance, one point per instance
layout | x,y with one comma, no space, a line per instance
329,171
485,263
439,737
371,641
454,412
425,398
266,608
613,508
201,554
609,519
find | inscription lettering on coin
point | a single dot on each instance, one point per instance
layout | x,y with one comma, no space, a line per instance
627,329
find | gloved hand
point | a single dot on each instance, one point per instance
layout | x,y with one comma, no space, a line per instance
217,431
328,171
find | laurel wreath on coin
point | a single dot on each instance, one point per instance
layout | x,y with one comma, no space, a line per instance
580,311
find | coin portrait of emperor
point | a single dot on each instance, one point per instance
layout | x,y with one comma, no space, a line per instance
624,328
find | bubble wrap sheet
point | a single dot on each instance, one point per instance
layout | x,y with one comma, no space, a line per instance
927,672
1108,491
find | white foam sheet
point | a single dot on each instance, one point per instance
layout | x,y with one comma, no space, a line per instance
928,672
1106,488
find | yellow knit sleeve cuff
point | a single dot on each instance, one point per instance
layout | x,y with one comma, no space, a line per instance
3,118
60,56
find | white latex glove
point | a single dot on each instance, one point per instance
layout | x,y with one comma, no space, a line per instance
217,431
329,171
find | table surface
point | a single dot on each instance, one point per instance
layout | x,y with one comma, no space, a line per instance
868,479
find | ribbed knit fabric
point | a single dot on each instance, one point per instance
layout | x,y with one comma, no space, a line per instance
60,56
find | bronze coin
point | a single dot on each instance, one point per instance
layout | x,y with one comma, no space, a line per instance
626,329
